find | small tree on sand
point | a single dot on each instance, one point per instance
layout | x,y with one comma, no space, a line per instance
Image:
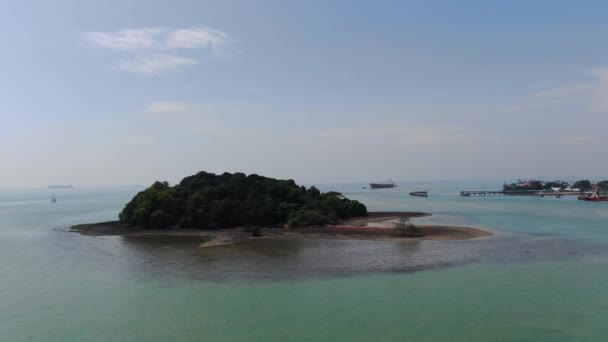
406,227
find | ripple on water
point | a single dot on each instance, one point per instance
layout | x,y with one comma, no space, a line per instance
290,258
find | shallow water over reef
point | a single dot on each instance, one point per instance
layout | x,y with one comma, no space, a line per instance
541,277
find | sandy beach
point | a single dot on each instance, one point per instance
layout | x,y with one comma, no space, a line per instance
377,226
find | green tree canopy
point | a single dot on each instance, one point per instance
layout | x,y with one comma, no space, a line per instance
583,184
603,185
532,185
210,201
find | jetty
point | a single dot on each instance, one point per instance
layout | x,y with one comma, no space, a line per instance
539,193
559,194
499,193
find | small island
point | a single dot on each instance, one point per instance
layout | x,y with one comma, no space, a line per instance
229,208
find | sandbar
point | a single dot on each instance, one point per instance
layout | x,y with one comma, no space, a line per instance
377,226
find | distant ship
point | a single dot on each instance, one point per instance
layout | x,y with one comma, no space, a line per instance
53,199
384,185
419,193
593,197
61,186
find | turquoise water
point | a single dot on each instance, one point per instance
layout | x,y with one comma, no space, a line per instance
542,276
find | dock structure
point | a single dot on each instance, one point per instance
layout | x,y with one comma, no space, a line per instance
559,194
538,193
499,193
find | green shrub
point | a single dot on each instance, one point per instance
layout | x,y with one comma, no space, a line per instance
307,218
411,229
406,227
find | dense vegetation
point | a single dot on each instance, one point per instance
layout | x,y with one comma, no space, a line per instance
583,185
533,185
210,201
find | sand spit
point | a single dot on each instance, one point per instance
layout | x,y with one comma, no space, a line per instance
377,226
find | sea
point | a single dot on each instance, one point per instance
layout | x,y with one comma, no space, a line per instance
542,275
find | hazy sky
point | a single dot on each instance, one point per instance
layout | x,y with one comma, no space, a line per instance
123,92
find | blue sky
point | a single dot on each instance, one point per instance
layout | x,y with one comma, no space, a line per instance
123,92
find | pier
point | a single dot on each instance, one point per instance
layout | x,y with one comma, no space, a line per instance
499,193
559,194
538,193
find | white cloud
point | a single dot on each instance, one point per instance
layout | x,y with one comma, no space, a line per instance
396,135
159,38
536,105
196,38
154,65
599,97
167,107
189,117
127,39
563,92
153,50
592,95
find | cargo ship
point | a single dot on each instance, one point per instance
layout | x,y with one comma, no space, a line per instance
383,185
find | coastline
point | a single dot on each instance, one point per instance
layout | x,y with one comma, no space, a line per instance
377,226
